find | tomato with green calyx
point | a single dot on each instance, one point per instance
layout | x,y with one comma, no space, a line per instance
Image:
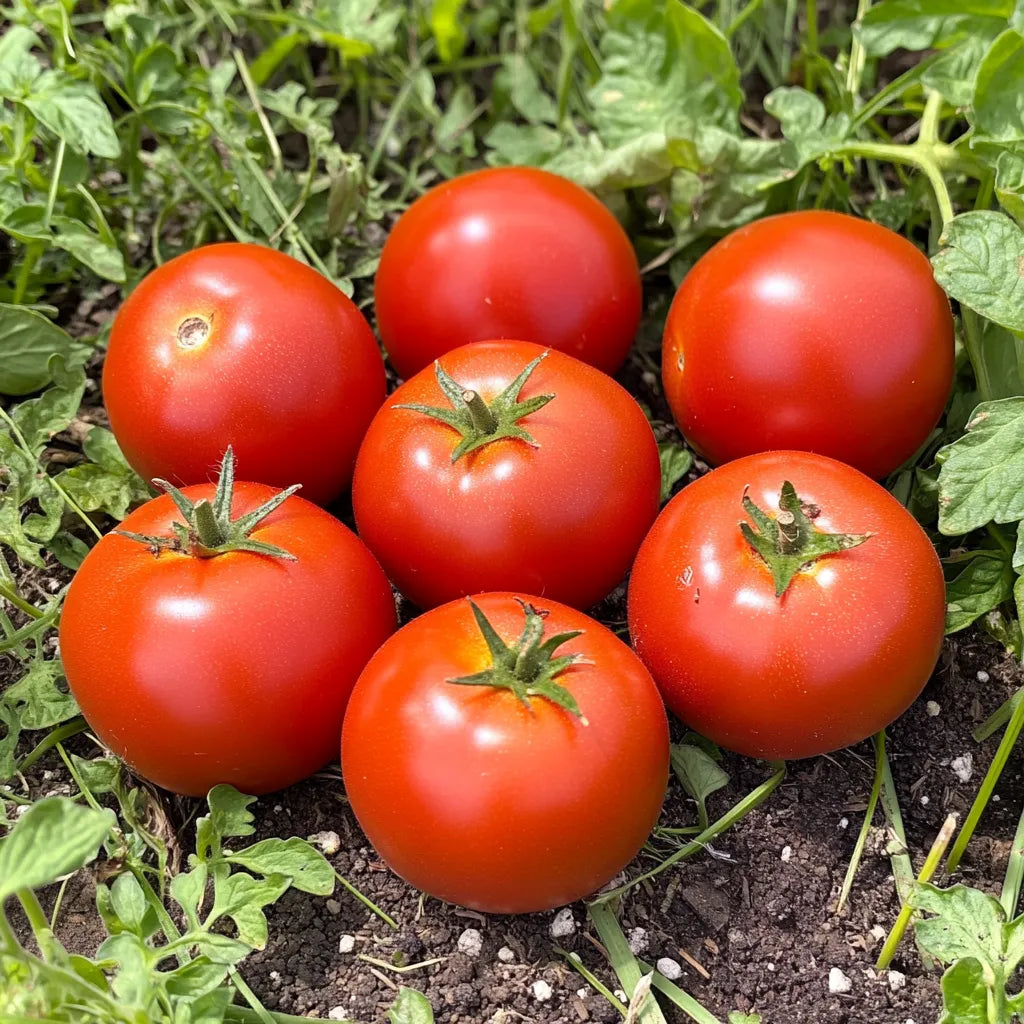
239,344
507,467
787,605
524,756
508,252
814,331
217,635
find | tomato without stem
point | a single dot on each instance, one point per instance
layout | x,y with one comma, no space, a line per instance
231,668
495,796
844,650
238,344
511,252
814,331
555,500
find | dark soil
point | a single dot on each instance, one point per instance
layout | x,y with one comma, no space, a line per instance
756,912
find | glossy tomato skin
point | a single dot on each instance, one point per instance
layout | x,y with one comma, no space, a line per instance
844,651
814,331
562,520
289,372
483,802
510,252
237,668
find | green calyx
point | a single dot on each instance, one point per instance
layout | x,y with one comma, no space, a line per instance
208,529
480,422
789,542
528,667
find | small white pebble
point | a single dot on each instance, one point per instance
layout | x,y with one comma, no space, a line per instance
506,955
983,676
637,940
541,991
346,943
470,942
275,975
329,842
563,925
277,808
669,968
897,980
337,1013
878,932
844,822
925,801
583,992
932,708
963,766
770,966
47,775
649,378
996,797
621,996
838,983
787,853
333,907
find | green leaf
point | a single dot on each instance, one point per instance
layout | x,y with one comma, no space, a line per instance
54,837
984,583
196,978
74,112
698,773
88,248
220,949
37,700
128,901
1010,184
27,341
9,742
736,1017
100,775
968,923
447,29
188,889
410,1007
18,69
229,816
303,864
799,112
965,994
980,474
242,897
107,483
923,24
981,265
675,464
998,96
518,77
40,418
953,74
133,981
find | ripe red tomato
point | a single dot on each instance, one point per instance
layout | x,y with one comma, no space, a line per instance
847,647
814,331
239,344
497,796
554,502
510,252
232,668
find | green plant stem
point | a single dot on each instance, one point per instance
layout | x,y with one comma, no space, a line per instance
51,195
931,863
51,739
261,114
735,813
928,129
811,45
869,815
261,1012
972,335
742,16
902,869
33,253
8,939
8,593
1014,878
995,770
49,947
856,66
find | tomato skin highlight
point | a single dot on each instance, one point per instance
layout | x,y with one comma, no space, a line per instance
480,801
846,649
282,365
813,331
236,668
509,252
562,520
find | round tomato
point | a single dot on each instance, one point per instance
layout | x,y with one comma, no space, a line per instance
511,252
814,331
199,666
504,467
238,344
787,605
505,753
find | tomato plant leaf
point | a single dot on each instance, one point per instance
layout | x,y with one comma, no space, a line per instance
964,993
981,264
998,112
106,483
983,580
9,741
74,112
28,340
229,816
676,461
410,1007
953,74
699,775
305,866
980,473
922,24
37,700
54,837
242,897
40,418
129,903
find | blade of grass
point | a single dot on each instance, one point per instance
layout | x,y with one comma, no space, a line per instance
1010,896
862,837
682,999
999,717
366,901
599,986
902,869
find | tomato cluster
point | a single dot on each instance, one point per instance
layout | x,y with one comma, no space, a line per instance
503,750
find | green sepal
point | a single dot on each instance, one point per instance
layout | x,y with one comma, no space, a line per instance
527,666
787,547
479,422
208,529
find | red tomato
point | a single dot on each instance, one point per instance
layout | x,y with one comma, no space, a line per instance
505,803
238,344
233,668
511,252
810,330
845,650
559,512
